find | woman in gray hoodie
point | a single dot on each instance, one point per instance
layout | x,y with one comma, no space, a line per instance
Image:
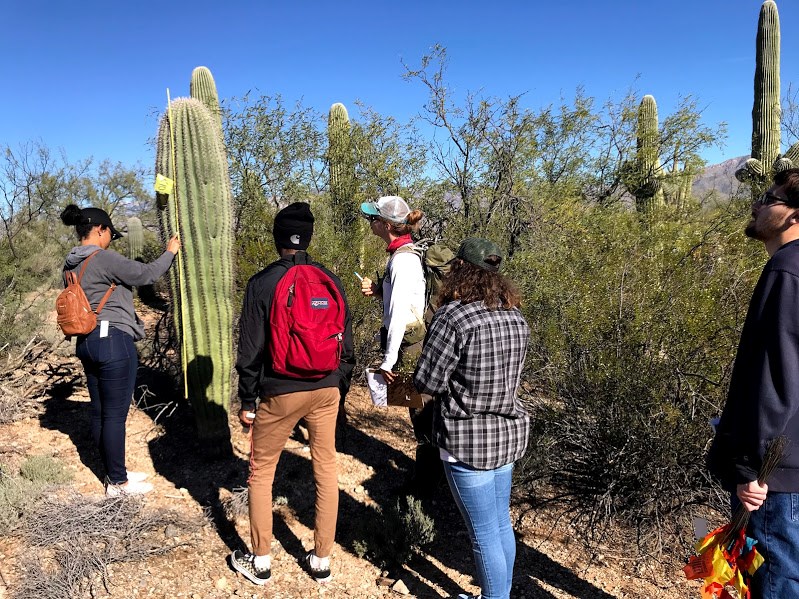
108,353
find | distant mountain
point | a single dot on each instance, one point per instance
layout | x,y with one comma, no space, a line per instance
717,183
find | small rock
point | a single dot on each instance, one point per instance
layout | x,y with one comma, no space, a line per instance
171,531
358,490
221,584
384,581
399,587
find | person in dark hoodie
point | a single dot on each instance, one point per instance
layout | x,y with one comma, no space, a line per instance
108,353
763,398
284,400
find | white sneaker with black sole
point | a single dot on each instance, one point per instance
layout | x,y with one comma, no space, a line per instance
319,567
245,563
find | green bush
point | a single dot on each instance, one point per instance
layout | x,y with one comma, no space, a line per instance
45,470
17,497
634,330
401,530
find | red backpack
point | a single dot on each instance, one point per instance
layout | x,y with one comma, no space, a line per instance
74,314
306,322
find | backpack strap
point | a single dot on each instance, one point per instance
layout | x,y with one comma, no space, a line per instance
409,248
84,265
71,278
105,298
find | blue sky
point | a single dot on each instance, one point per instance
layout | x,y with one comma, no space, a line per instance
90,78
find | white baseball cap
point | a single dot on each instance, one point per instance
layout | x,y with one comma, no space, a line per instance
390,208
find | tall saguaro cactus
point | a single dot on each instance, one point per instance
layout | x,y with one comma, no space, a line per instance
766,111
200,208
644,176
341,162
135,238
203,87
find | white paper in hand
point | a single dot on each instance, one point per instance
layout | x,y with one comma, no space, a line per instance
377,387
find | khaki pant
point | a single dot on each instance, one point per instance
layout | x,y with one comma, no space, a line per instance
274,421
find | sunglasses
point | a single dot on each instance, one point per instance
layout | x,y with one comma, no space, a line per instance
372,218
769,199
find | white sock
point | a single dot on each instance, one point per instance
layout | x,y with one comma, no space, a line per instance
263,562
319,563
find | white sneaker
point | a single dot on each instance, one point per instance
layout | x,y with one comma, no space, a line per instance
137,477
128,488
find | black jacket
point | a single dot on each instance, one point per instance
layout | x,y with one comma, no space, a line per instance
254,364
763,400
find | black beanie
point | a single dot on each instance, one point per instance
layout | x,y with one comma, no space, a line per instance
294,226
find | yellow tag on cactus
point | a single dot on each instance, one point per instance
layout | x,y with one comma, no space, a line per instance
163,184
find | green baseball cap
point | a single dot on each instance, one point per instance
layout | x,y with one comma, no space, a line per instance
477,251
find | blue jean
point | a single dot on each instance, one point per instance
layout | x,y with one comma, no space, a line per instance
483,498
110,364
776,528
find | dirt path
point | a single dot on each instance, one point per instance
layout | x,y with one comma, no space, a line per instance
375,446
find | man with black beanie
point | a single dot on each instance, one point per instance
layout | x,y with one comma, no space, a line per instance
284,400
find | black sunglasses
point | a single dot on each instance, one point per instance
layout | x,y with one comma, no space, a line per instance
372,218
769,199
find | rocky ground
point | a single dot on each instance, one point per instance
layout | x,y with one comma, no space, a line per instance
375,447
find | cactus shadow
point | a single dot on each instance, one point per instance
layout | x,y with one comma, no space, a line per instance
186,461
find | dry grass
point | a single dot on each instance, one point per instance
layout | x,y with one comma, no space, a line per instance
72,542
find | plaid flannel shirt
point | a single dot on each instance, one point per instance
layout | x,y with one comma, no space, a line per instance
471,363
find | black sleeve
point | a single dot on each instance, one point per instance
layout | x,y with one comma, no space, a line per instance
252,341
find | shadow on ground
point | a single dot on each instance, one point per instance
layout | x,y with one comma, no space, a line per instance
179,457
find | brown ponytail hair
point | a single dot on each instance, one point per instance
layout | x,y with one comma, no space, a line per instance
411,224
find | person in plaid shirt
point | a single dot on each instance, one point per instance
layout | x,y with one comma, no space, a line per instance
471,364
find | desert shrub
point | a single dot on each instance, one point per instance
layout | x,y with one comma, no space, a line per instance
72,542
44,469
27,271
17,498
403,529
634,329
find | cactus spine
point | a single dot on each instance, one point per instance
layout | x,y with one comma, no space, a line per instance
766,109
135,238
644,177
203,213
341,161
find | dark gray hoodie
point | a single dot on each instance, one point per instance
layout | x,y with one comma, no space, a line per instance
109,267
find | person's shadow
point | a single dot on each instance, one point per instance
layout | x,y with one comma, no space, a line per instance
452,546
72,418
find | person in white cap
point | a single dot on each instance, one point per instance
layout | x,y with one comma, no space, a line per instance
402,290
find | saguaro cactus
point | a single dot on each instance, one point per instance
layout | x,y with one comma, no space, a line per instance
200,208
135,238
766,110
644,176
341,162
202,87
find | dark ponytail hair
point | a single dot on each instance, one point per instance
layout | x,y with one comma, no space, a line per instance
72,216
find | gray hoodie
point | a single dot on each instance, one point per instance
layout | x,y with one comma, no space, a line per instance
109,267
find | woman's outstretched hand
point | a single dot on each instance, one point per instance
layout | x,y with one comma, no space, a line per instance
173,245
